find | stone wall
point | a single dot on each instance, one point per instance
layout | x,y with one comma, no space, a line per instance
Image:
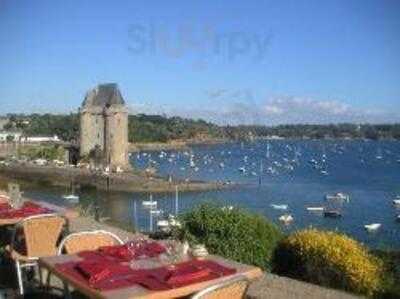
116,141
91,130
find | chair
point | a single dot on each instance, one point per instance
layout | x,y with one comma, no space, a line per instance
87,240
32,238
233,288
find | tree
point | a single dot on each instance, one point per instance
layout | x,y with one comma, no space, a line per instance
10,138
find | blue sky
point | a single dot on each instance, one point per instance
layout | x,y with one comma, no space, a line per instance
263,62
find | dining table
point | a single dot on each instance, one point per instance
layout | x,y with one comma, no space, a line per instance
144,277
10,216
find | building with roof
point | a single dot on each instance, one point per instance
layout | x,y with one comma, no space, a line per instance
10,135
104,126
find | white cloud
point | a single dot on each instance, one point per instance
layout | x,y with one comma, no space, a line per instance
241,109
273,109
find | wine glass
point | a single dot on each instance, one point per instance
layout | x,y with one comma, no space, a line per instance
173,252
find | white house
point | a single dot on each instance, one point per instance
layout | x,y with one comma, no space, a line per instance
40,139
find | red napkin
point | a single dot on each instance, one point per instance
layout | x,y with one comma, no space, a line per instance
96,272
190,272
187,276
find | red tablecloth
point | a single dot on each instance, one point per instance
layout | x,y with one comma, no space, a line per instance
28,209
105,275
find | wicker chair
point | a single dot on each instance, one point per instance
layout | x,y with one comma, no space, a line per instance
34,237
88,240
234,288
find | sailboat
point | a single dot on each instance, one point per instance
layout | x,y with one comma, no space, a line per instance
149,203
72,197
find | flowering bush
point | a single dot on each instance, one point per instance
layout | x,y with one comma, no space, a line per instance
329,259
233,233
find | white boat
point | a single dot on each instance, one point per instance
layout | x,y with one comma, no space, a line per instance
372,227
286,219
396,202
156,212
242,169
315,209
279,207
71,197
192,164
149,203
338,196
163,224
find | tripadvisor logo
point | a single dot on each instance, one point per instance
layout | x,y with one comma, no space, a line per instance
201,43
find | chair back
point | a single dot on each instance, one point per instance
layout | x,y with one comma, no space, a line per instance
41,234
234,288
88,240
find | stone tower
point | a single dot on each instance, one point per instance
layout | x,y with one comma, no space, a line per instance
104,125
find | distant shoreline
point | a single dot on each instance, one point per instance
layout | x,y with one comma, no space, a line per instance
186,145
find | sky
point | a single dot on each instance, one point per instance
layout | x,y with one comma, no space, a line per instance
230,62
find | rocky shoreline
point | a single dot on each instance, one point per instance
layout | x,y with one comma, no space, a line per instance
134,181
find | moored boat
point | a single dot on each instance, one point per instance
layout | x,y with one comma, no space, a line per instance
279,207
338,196
372,227
332,214
286,218
315,209
71,197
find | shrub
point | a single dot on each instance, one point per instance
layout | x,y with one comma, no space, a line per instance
48,152
329,259
391,277
232,233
